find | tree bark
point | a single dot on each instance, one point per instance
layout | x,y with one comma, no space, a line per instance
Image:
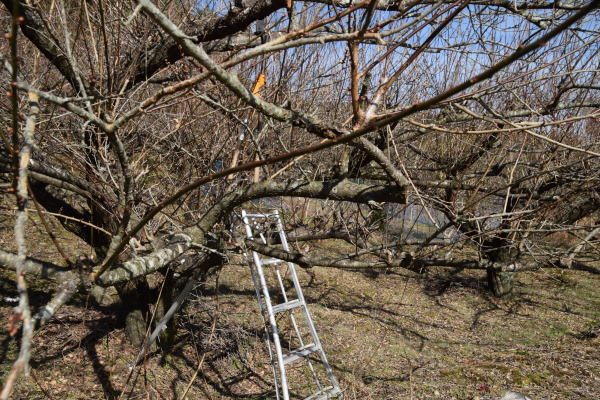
500,251
500,283
167,337
135,297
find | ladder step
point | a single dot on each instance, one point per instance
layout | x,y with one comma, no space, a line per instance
266,215
269,261
329,392
288,305
299,353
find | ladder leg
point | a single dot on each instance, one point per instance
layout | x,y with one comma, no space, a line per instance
261,307
296,329
311,326
281,232
271,316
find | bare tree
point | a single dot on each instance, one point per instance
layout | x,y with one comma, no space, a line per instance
148,123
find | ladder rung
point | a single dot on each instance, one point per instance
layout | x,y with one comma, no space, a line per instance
326,393
299,353
268,215
288,305
269,261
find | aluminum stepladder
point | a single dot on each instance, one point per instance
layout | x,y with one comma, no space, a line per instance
269,224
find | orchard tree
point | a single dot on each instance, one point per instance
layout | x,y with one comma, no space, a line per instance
142,126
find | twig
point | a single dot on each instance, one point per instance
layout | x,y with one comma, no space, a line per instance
210,339
22,362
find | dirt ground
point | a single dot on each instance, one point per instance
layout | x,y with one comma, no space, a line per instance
388,337
437,336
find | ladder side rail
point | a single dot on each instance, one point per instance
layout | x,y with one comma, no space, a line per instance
297,330
282,237
315,337
291,315
311,326
295,279
271,316
263,310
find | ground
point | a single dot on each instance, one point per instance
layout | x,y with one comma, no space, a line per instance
440,336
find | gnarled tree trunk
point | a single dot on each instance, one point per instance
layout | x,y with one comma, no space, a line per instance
500,251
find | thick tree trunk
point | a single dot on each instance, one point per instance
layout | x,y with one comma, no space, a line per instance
500,251
135,297
135,327
500,283
167,337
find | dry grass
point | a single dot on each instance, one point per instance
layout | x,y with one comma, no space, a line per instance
387,338
390,337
